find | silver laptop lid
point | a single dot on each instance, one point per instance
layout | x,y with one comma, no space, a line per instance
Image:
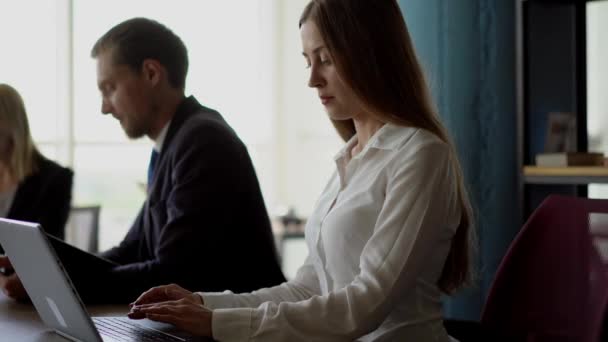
45,280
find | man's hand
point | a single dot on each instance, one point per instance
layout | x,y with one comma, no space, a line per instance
10,284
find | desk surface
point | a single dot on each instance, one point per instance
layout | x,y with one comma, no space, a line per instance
20,322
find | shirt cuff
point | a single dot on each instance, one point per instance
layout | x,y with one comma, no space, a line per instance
231,324
217,300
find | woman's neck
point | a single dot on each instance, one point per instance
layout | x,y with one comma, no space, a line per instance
7,181
365,128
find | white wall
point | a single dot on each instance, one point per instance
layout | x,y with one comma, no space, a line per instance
597,84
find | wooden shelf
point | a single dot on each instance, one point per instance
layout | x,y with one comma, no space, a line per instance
565,175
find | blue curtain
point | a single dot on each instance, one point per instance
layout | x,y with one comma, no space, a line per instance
467,48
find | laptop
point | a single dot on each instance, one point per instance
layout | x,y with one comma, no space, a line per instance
56,299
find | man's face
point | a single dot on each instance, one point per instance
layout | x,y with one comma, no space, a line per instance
125,94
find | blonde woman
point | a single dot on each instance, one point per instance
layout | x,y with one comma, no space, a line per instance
32,188
391,231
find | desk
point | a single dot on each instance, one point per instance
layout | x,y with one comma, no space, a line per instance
20,322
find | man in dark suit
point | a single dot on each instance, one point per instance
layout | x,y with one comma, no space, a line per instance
204,224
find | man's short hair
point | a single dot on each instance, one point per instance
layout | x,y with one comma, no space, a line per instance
137,39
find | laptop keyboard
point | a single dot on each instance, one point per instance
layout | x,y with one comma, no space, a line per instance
120,329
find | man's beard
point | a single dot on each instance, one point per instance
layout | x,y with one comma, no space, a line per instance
135,130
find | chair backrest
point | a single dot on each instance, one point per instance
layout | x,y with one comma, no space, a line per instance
552,284
83,228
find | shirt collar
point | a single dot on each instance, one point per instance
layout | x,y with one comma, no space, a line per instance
388,137
158,143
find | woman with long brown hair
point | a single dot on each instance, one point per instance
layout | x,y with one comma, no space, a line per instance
32,187
392,229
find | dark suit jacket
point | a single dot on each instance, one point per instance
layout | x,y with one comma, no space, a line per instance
44,197
204,225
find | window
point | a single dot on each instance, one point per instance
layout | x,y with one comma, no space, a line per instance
30,63
245,63
226,73
597,82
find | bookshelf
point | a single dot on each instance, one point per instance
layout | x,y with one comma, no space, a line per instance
551,76
565,175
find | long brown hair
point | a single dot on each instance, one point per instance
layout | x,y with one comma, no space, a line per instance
21,159
373,54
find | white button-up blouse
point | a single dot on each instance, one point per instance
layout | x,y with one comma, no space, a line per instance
378,239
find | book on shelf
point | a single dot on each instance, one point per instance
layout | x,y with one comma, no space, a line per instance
561,132
563,159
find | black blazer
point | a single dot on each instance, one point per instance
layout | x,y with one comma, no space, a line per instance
45,197
204,224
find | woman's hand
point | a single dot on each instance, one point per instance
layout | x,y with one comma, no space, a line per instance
166,293
174,305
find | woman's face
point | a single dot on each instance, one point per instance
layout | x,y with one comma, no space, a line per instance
338,99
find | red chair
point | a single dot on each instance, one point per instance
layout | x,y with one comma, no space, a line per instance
552,284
